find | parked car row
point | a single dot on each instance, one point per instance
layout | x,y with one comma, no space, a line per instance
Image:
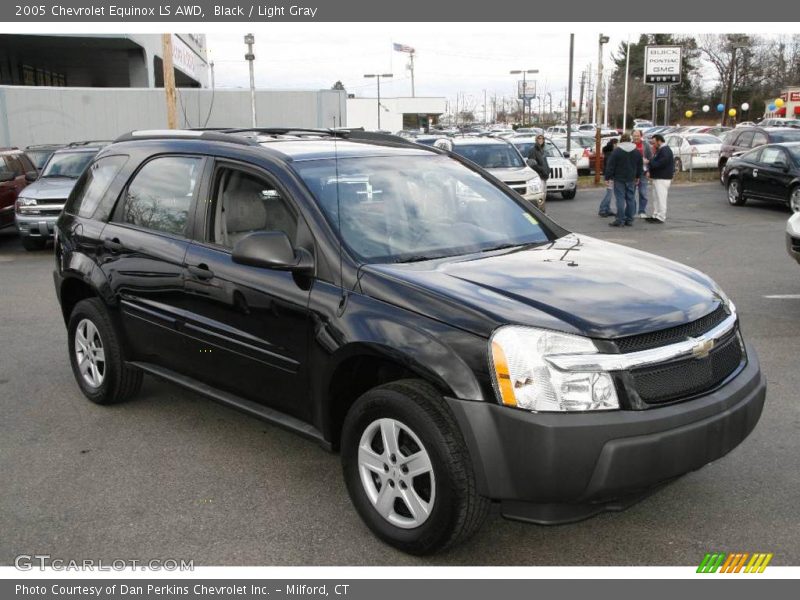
35,184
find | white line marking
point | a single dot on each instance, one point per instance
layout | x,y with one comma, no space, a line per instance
784,297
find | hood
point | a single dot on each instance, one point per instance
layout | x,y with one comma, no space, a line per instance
49,188
576,284
627,146
514,174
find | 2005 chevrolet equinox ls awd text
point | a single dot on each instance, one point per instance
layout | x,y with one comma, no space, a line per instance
405,308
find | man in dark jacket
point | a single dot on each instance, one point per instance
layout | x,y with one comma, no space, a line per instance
637,137
625,169
662,169
537,158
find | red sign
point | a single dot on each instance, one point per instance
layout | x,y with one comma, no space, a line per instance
794,97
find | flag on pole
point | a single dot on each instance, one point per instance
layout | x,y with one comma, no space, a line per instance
402,48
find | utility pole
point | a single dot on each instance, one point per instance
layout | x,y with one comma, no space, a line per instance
411,62
580,101
378,77
485,107
249,39
169,80
602,39
736,42
569,91
625,101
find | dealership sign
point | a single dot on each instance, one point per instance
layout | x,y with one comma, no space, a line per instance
526,89
662,64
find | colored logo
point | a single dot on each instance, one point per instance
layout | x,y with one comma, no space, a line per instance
735,562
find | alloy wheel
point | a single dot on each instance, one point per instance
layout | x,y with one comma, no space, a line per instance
396,473
733,191
794,200
89,352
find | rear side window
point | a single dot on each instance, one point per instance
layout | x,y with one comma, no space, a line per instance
745,140
13,165
93,186
161,193
759,139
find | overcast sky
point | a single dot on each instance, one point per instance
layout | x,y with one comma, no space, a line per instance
450,58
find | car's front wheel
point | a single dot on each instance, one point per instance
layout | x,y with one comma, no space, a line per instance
794,199
735,197
407,468
95,354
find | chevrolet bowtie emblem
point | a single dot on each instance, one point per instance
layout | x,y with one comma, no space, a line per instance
702,349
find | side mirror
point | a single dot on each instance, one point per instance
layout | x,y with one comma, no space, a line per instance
271,250
6,175
782,166
31,176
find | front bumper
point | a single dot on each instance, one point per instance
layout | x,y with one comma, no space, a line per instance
793,237
561,185
36,225
529,460
536,199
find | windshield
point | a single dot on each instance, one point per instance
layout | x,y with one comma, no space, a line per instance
67,164
700,140
408,208
38,157
490,156
785,136
794,150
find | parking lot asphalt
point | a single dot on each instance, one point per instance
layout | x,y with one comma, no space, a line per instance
174,475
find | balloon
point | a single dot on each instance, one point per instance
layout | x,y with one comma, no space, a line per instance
732,112
688,114
779,102
706,108
771,108
720,107
745,106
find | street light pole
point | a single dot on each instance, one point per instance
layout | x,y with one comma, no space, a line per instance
378,77
250,57
603,39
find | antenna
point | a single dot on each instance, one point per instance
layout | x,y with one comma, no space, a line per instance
339,208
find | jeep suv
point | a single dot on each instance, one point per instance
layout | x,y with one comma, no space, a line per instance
403,307
39,205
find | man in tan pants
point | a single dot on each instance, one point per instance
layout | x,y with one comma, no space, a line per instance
662,169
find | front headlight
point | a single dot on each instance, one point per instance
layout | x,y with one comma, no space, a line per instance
23,202
534,185
730,307
525,378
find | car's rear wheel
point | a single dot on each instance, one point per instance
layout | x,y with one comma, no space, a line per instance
407,468
96,355
735,197
33,243
794,199
678,165
568,194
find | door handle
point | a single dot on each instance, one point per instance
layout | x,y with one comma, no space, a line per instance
113,244
201,271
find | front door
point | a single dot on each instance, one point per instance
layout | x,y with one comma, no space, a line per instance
247,327
773,174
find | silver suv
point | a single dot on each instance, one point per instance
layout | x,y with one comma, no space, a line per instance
39,205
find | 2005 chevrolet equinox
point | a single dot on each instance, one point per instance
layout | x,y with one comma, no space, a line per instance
405,308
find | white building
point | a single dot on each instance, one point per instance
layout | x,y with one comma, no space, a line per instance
101,60
394,114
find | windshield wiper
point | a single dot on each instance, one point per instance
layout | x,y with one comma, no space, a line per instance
415,258
502,247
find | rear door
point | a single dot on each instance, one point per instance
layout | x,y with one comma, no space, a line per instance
247,328
142,254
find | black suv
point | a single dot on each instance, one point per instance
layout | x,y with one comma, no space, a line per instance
742,139
400,305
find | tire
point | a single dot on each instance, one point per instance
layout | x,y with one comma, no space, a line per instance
448,507
678,165
105,381
33,243
735,197
794,199
569,194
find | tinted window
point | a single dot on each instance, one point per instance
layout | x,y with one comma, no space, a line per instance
794,151
39,157
745,139
490,156
246,203
759,139
161,193
93,186
13,165
409,207
790,135
67,164
752,156
771,154
699,140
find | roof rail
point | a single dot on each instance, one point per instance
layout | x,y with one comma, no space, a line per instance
88,143
214,135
